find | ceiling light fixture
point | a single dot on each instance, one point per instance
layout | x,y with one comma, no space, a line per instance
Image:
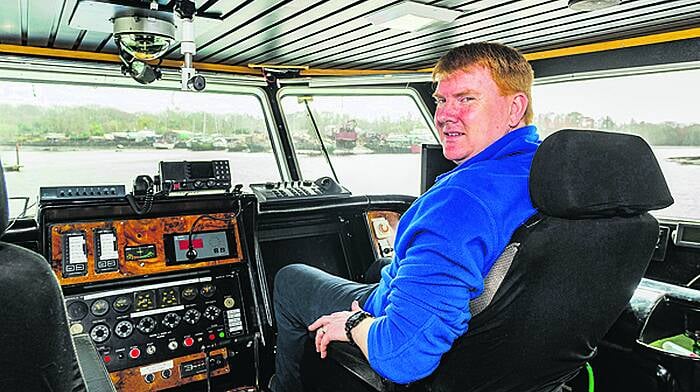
591,5
412,16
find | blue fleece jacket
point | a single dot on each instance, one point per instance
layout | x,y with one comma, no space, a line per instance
445,245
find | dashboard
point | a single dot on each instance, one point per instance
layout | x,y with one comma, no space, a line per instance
167,297
181,294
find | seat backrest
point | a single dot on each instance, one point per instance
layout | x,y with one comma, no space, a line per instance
37,352
572,268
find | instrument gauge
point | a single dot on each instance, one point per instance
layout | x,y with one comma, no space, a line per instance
77,310
123,329
171,320
212,312
99,333
189,293
168,297
192,316
208,290
146,325
122,303
145,300
99,307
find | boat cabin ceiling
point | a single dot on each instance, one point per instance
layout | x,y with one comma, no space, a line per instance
349,35
170,280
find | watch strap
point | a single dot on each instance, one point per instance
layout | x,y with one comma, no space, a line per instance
352,322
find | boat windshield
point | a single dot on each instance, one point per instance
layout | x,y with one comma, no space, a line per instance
65,134
372,136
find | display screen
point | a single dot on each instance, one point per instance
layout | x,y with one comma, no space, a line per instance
210,245
132,253
433,163
691,234
201,170
76,249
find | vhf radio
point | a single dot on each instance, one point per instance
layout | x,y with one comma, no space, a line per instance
188,176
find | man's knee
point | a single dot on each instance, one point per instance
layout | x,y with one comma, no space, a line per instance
289,275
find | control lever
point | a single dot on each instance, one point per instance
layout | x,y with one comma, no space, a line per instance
328,185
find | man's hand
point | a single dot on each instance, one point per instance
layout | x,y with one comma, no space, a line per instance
331,328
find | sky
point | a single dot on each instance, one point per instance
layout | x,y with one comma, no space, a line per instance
670,96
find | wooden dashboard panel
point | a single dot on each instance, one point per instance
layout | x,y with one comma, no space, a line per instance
133,379
138,232
382,225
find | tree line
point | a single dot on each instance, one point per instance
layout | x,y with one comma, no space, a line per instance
28,122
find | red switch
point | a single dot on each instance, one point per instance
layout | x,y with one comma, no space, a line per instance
188,342
134,353
212,336
107,359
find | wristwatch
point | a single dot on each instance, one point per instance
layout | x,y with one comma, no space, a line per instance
352,322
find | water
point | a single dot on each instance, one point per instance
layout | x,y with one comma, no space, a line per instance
362,174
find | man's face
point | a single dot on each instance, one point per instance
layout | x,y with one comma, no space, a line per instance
471,112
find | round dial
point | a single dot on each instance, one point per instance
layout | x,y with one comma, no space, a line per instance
208,290
122,303
99,333
189,293
192,316
212,312
146,325
123,329
99,307
171,320
77,310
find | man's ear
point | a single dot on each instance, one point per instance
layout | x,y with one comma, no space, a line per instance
518,107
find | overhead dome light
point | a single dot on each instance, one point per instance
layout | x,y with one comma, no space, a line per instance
591,5
145,38
412,16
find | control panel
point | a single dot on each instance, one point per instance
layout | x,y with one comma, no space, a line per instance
145,324
82,252
48,194
275,192
187,176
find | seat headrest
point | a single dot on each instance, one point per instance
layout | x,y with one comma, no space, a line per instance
587,174
4,203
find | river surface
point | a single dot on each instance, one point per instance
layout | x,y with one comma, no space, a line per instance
361,173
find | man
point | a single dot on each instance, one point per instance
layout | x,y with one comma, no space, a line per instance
445,243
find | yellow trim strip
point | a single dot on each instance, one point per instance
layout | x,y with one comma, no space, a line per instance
609,45
352,72
616,44
113,58
547,54
272,66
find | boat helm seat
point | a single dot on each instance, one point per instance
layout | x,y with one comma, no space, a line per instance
561,283
38,353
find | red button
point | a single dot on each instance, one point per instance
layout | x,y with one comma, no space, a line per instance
107,358
188,342
134,353
212,336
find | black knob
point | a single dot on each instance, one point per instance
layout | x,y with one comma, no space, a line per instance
198,184
211,183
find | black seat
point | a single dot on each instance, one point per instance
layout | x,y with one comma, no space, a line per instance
564,279
37,353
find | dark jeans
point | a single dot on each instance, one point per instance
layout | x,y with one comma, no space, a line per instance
302,294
